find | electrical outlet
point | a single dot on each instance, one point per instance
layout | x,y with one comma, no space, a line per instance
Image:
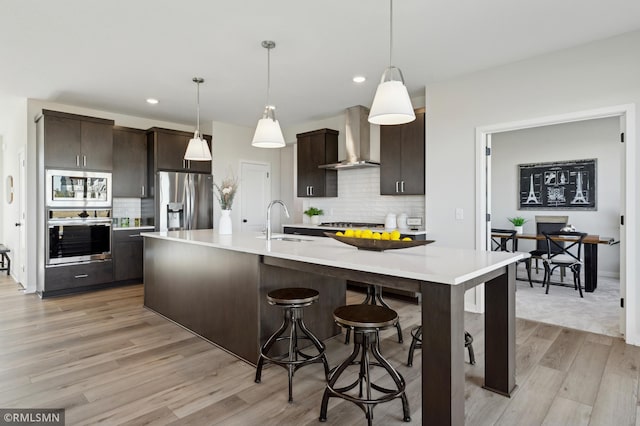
459,213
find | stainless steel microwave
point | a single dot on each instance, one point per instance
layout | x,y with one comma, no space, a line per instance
73,188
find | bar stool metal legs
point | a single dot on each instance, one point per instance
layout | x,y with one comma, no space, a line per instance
416,343
292,300
366,347
374,296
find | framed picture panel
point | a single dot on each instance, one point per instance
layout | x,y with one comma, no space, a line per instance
565,185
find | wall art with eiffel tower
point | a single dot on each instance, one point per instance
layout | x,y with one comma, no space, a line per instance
565,185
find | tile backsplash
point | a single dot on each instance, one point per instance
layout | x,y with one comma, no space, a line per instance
127,207
359,199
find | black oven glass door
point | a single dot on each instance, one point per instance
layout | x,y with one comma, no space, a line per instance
77,243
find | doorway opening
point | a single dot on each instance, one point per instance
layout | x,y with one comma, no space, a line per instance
628,288
558,155
255,195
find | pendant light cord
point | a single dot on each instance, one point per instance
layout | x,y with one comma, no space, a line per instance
268,74
390,33
198,108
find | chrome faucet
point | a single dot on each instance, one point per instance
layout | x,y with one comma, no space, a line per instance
286,211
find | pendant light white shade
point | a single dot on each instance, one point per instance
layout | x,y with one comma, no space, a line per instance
391,103
268,133
198,148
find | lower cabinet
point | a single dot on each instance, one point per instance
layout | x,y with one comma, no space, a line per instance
127,254
70,277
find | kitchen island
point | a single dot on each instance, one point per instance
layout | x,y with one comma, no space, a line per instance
245,266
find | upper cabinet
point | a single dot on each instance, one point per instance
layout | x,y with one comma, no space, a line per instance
77,142
402,170
168,148
130,163
314,149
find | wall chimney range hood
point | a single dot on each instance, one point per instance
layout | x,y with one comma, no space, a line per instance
357,141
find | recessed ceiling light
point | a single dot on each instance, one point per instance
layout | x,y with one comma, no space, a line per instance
359,79
152,101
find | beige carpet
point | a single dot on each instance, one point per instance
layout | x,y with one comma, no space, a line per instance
597,312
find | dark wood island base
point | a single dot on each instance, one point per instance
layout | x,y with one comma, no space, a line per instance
221,295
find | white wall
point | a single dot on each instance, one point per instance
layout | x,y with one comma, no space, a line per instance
13,128
232,144
592,76
599,139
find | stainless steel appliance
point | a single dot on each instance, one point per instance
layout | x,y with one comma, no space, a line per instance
78,236
185,201
74,188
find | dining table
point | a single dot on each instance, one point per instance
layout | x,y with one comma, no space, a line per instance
591,243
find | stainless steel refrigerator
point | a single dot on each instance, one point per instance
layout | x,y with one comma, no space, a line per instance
185,201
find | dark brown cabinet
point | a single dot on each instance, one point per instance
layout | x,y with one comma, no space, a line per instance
130,178
314,149
77,142
169,147
402,170
68,278
127,254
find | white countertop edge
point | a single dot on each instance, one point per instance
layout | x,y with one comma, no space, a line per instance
447,265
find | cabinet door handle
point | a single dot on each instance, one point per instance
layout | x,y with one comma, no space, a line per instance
312,191
401,186
143,190
135,236
81,276
84,161
77,161
307,190
397,183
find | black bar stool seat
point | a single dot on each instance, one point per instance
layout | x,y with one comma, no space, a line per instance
365,321
416,343
374,297
292,300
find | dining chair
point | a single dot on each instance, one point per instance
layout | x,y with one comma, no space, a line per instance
563,254
546,223
500,239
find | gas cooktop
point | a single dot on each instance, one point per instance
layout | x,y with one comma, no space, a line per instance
347,224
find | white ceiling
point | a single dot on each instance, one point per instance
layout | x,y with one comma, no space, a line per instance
112,55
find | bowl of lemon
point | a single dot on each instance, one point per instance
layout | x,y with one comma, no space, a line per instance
366,239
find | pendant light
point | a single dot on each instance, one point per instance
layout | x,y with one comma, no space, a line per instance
198,148
391,103
268,133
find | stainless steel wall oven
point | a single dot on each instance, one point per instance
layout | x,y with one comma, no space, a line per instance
78,236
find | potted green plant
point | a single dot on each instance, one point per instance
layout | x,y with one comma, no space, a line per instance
518,223
314,214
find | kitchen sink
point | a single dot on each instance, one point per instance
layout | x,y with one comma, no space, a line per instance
281,237
294,239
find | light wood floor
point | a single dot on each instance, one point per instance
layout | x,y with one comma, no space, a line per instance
106,359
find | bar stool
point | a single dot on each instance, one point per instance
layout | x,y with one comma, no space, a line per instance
292,300
374,296
366,321
416,343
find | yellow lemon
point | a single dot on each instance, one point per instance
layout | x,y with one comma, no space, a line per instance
406,239
339,234
357,233
367,233
385,236
376,236
395,235
348,233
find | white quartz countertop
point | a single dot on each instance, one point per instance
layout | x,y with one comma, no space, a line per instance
427,263
404,231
